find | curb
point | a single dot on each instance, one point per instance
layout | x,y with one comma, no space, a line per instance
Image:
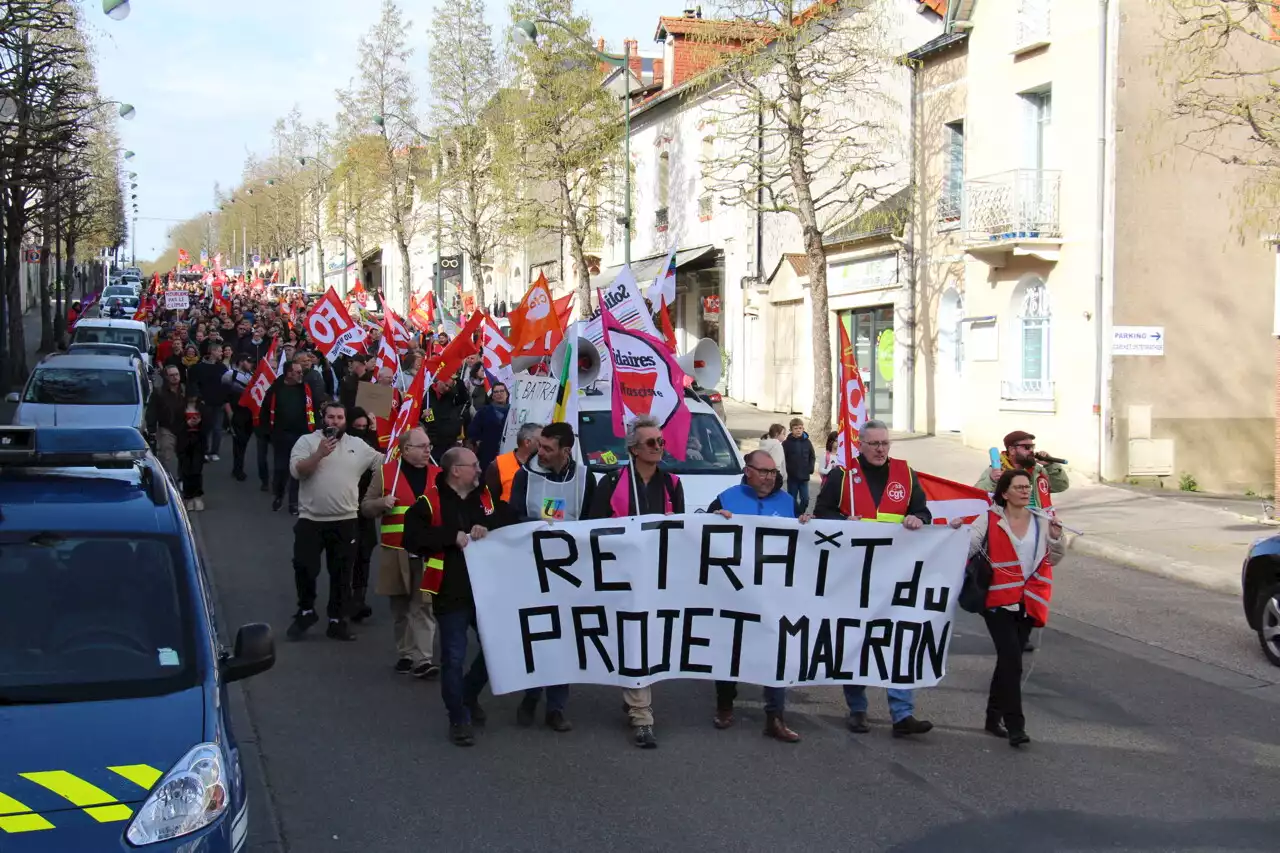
1204,577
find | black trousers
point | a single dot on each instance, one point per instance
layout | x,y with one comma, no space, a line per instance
1009,630
334,541
366,541
191,464
241,432
281,446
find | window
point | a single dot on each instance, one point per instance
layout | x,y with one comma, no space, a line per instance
952,197
82,387
1032,25
709,451
706,204
1031,347
1037,117
664,189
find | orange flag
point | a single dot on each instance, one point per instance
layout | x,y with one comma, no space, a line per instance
667,332
535,328
562,309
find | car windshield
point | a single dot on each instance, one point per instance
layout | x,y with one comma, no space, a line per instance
110,335
91,618
82,387
125,301
710,450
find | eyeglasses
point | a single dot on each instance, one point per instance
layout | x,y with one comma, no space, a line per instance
764,472
655,443
466,465
417,447
876,444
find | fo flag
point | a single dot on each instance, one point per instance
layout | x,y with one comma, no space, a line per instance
646,381
949,501
331,328
256,390
853,403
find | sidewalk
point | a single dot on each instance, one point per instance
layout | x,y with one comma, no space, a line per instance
1196,539
31,337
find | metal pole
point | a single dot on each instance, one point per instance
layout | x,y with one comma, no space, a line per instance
626,157
346,218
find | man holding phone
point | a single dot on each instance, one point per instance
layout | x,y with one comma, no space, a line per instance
328,466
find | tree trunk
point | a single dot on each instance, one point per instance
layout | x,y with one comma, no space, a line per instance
576,247
46,260
60,313
404,262
15,366
476,253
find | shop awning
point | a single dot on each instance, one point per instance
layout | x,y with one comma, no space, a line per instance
646,269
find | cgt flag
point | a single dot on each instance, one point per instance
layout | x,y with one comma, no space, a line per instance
853,403
949,500
256,390
646,381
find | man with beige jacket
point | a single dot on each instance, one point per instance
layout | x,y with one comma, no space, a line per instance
394,488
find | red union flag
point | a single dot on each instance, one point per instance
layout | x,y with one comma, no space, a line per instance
331,327
256,391
646,381
395,328
949,500
407,415
853,403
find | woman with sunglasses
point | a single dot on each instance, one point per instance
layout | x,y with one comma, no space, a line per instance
640,488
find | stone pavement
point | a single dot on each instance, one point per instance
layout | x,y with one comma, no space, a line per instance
1197,539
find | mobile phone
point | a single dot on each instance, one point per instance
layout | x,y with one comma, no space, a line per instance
330,432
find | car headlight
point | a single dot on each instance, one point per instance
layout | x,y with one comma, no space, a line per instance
191,796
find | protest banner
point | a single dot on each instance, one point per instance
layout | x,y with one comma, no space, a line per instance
177,300
627,306
768,601
533,401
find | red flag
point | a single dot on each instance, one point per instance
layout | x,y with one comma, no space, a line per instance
535,327
256,390
400,337
388,358
949,500
563,308
422,311
406,416
853,403
331,328
448,362
220,302
667,332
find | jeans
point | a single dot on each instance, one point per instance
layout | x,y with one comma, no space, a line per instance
167,451
902,703
213,421
459,691
799,491
282,444
775,698
557,697
335,541
1009,630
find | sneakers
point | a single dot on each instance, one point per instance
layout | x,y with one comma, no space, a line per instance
239,476
426,670
644,738
404,666
557,722
858,723
339,630
302,620
461,735
1019,738
213,457
190,505
775,728
995,727
478,716
276,503
908,726
723,718
525,713
199,504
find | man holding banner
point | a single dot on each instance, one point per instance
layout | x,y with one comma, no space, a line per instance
873,487
640,488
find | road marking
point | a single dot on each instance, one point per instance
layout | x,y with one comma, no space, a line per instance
16,817
97,803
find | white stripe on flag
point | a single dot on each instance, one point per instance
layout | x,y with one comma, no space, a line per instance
958,508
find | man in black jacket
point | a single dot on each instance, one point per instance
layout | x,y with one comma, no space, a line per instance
357,372
797,451
205,377
445,412
467,513
289,411
235,381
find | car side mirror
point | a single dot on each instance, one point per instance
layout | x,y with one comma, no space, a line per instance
255,652
11,397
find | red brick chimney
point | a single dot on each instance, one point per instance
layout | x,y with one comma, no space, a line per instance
657,71
630,49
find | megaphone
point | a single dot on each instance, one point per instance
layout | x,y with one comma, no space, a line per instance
703,364
588,361
523,363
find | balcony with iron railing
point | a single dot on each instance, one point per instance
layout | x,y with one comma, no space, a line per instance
1015,211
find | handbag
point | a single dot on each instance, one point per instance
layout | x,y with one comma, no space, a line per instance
977,581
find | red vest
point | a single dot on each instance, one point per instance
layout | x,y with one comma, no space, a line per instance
1008,586
311,411
855,497
433,564
395,484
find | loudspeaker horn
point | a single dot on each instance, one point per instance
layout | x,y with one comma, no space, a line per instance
523,363
588,361
703,364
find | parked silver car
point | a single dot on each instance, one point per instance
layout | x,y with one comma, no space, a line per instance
83,390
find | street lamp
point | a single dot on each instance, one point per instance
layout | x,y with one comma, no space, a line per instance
437,286
116,10
526,33
127,112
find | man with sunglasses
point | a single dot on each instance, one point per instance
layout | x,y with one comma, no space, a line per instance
759,493
640,488
877,488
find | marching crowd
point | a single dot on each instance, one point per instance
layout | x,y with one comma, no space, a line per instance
402,516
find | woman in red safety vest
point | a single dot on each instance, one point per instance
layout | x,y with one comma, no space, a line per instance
1022,545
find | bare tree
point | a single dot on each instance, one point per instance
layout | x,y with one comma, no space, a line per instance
803,126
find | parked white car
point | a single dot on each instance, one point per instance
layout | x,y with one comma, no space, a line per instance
102,330
83,390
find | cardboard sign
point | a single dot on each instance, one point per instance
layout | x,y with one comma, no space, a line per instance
177,300
376,398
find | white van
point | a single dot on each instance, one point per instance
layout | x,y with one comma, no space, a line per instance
101,330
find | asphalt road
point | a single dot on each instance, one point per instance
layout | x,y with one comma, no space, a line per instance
1156,724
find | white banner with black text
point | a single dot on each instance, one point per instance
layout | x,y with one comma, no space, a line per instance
768,601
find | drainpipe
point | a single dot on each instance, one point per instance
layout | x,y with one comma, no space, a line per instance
909,250
1101,304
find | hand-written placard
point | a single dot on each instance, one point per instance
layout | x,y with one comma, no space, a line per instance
761,600
533,401
177,300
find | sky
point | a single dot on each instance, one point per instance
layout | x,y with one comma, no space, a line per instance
208,78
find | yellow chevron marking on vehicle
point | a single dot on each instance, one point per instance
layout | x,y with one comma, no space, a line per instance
142,775
95,801
16,817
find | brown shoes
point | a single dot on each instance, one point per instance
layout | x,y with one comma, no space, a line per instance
776,728
724,718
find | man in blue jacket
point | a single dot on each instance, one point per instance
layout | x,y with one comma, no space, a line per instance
759,493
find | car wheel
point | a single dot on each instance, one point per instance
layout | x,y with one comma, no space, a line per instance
1269,622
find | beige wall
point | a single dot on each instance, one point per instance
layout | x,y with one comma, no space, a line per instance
1186,259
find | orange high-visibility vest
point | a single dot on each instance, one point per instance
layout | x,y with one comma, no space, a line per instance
1008,586
508,465
855,497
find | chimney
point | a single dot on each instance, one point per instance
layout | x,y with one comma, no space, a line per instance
691,12
632,51
658,78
